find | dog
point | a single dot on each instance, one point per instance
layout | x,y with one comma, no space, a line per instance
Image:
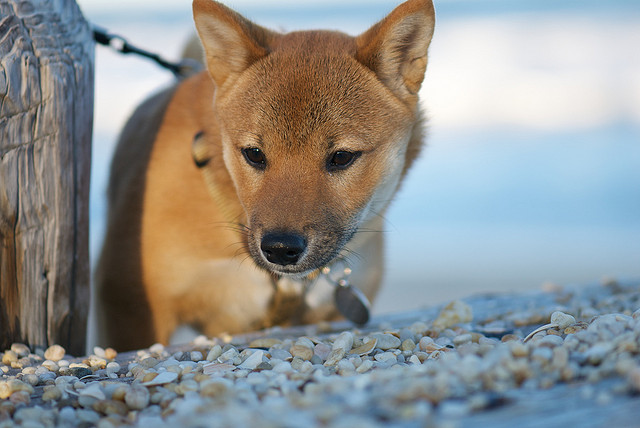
234,190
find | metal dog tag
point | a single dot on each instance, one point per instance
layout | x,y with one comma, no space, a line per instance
352,303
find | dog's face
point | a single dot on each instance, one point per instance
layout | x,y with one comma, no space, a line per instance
315,126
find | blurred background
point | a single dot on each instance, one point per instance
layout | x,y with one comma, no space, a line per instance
531,174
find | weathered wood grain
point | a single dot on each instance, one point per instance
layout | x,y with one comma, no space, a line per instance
46,110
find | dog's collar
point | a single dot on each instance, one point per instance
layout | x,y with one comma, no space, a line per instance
350,301
292,297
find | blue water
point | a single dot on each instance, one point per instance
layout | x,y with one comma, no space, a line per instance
506,212
588,178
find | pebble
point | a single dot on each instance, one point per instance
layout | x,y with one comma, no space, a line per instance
386,341
342,344
408,345
302,351
9,357
113,367
20,349
255,359
214,353
11,386
366,348
562,320
137,397
550,341
162,378
456,312
427,373
385,357
54,353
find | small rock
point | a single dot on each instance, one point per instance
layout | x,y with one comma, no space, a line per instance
149,362
385,357
99,352
408,345
111,407
20,349
346,367
414,360
31,379
113,367
342,344
263,343
562,320
52,394
137,397
162,378
214,353
322,350
20,398
11,386
462,338
550,341
110,353
365,348
46,377
302,351
9,357
281,354
86,416
344,341
386,341
365,366
50,365
216,368
456,312
598,352
215,388
54,353
93,390
80,372
542,354
253,360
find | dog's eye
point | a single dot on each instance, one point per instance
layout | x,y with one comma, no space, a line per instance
341,160
255,157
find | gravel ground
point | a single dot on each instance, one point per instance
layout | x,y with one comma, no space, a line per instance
564,356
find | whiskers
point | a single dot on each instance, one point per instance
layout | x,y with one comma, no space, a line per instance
349,256
242,246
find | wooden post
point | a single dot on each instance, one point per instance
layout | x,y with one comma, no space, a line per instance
46,114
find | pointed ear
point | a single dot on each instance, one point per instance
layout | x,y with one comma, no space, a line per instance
396,47
231,42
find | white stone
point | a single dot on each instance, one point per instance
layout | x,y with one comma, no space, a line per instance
562,320
253,360
162,378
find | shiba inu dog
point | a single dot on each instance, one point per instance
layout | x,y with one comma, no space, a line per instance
233,191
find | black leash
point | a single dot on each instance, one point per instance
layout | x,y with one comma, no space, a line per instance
181,69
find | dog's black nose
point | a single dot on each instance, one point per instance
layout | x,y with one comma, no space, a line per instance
283,248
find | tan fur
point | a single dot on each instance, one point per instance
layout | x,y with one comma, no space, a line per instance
183,243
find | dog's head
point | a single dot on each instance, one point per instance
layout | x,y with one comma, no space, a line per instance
315,125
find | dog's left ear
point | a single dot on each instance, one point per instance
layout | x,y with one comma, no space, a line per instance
231,42
396,47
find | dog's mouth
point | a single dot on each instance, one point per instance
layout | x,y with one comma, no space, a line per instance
295,255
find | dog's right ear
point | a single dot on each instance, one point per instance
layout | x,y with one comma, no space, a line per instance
396,47
231,42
